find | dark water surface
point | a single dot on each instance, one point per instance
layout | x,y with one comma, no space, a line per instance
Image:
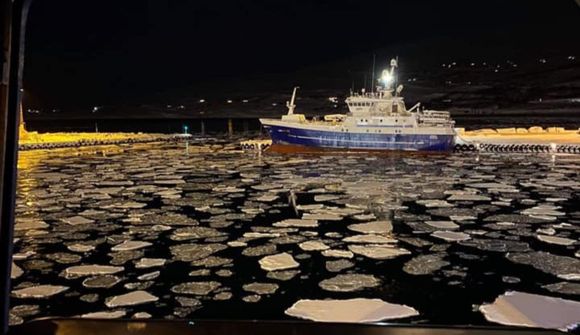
215,195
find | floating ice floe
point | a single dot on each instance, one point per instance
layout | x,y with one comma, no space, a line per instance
349,283
29,224
468,197
442,224
252,298
195,232
370,239
149,276
237,244
192,252
145,263
130,299
78,247
434,203
105,281
300,223
39,291
104,315
130,245
260,250
261,288
555,240
378,252
91,270
543,210
196,288
322,217
283,275
564,267
338,265
276,262
313,246
257,235
564,288
533,310
268,198
425,264
376,227
15,271
496,245
451,236
357,310
141,315
77,220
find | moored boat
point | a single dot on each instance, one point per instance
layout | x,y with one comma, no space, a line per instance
377,120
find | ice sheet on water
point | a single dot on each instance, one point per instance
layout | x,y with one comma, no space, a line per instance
145,263
442,224
90,270
564,288
192,252
260,250
194,232
105,281
212,262
39,291
556,240
196,288
131,245
77,220
375,227
15,271
451,236
313,246
322,217
105,315
563,267
496,245
283,275
24,223
282,261
532,310
357,310
338,265
378,251
261,288
300,223
149,276
369,239
130,299
349,282
79,247
425,264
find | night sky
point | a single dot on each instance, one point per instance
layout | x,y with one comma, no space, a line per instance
85,53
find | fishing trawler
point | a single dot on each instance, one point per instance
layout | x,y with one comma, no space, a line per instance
376,120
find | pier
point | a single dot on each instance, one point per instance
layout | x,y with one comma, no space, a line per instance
34,141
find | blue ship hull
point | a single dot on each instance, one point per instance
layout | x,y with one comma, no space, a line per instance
344,140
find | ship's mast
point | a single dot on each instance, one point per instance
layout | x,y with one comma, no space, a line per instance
291,104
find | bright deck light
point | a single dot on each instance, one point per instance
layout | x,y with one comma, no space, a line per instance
387,78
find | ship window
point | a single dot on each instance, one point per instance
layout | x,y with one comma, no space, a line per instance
381,120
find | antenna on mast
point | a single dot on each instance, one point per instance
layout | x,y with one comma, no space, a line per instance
291,104
373,74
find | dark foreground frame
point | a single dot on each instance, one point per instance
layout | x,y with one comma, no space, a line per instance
206,327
